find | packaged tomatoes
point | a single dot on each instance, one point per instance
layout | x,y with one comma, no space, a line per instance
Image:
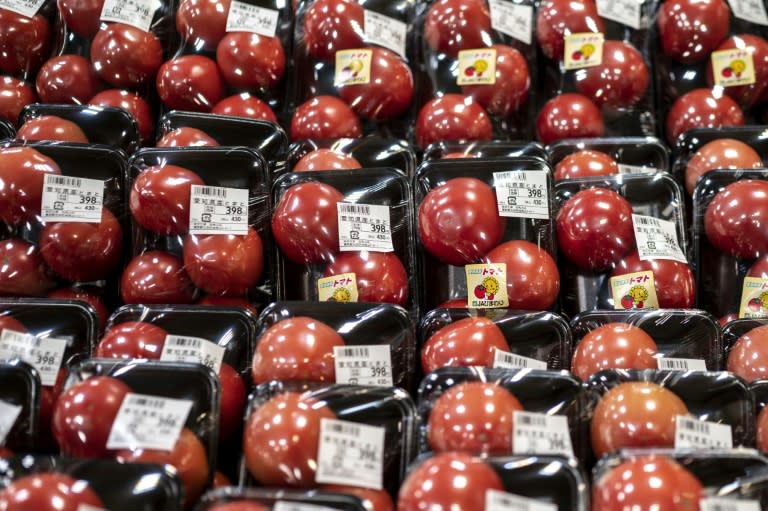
483,149
351,153
329,497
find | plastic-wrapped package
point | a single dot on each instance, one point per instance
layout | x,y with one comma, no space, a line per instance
484,149
744,353
349,153
26,41
19,406
15,94
6,129
270,499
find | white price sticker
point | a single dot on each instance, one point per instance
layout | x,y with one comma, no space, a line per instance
148,422
72,199
46,355
539,433
88,507
681,364
218,210
656,239
522,194
626,12
385,31
26,8
728,504
283,505
506,360
692,433
8,415
363,365
364,227
243,17
137,13
750,10
180,348
515,20
636,169
496,500
350,453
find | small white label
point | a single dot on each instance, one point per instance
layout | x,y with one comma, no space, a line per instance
656,239
218,210
496,500
626,12
148,422
515,20
506,360
728,504
692,433
539,433
636,169
681,364
46,355
137,13
283,505
364,227
26,8
243,17
385,31
363,365
8,415
350,453
88,507
180,348
750,10
72,199
522,194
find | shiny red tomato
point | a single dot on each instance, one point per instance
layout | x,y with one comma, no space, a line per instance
620,80
635,414
324,117
83,295
48,491
245,105
326,159
220,481
190,82
569,115
673,280
735,220
125,56
82,17
156,277
702,108
22,173
724,320
49,395
510,90
232,402
11,323
586,163
332,25
459,221
381,277
14,95
281,440
67,79
558,18
22,270
467,342
202,23
759,268
454,25
159,198
762,430
186,137
373,500
690,29
296,349
722,153
594,228
305,223
228,301
533,281
51,127
132,339
134,105
24,42
238,505
746,95
457,154
748,357
614,346
250,61
5,454
452,117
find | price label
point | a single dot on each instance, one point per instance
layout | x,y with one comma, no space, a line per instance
477,67
46,355
539,433
88,507
180,348
754,298
506,360
732,68
486,286
522,194
726,504
385,31
218,210
148,422
363,365
626,12
656,239
350,453
636,169
337,288
26,8
515,20
364,227
583,49
137,13
634,291
243,17
8,415
496,500
750,10
681,364
283,505
72,199
692,433
353,67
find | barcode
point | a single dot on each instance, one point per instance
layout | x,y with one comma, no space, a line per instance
150,403
723,507
344,428
665,363
513,176
211,191
185,341
65,181
647,220
503,357
358,209
532,420
354,353
697,426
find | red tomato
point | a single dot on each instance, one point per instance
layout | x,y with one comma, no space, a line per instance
24,42
569,115
702,108
759,268
381,277
228,301
156,277
49,395
594,228
296,349
232,402
125,56
586,163
186,137
735,220
449,156
305,223
454,25
455,303
244,105
5,454
746,95
722,153
83,17
673,280
558,18
614,346
324,117
11,323
748,357
91,298
67,79
762,430
325,159
690,29
452,117
84,413
533,281
724,320
619,81
250,61
645,483
467,342
332,25
202,23
134,105
220,481
132,339
190,82
22,270
510,91
281,440
238,505
22,173
14,95
459,221
373,500
448,481
48,491
635,414
51,127
159,198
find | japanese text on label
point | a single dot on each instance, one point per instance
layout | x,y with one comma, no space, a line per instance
726,504
353,67
179,348
522,194
44,354
538,433
496,500
26,8
584,49
148,422
363,365
385,31
72,199
137,13
243,17
218,210
515,20
477,67
656,239
626,12
692,433
636,169
364,227
754,298
750,10
350,453
486,285
634,291
733,67
337,288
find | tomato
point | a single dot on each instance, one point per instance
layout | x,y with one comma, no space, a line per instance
454,25
702,108
724,320
448,481
67,79
220,481
748,357
83,295
296,349
735,220
14,95
558,18
238,505
250,61
25,42
22,270
228,301
132,339
232,402
82,17
22,174
533,281
126,56
224,264
586,163
373,500
380,276
190,82
762,430
51,127
594,228
5,454
48,491
645,483
49,395
690,29
134,105
673,280
305,222
325,159
759,268
455,303
84,413
722,153
757,47
459,221
389,92
635,414
186,137
614,346
156,277
449,156
620,80
202,23
324,117
332,25
159,198
452,117
569,115
510,90
244,105
11,323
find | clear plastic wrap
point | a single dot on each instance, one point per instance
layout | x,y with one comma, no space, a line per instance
20,403
371,151
272,499
484,149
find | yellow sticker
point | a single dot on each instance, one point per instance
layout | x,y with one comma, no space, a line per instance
337,288
477,67
486,286
754,298
584,49
634,291
353,67
733,67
